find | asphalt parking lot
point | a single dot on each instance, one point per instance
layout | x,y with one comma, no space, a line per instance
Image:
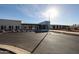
27,40
40,43
56,43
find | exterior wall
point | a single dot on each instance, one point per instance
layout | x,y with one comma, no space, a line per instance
10,24
43,26
47,23
34,27
75,27
60,27
28,27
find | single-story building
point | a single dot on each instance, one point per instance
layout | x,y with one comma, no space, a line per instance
10,25
59,27
42,26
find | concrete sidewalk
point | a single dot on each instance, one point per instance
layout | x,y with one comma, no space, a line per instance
65,32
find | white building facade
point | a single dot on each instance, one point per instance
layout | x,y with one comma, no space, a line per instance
9,25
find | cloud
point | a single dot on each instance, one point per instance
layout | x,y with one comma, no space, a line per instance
29,10
33,11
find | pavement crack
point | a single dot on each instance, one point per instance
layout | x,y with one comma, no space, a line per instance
39,43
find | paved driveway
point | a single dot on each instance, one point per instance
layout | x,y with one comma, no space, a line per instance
59,43
27,40
53,43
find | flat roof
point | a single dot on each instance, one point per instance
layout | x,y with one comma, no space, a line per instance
60,25
8,20
31,24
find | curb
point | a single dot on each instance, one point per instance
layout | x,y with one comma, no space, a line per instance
14,49
65,33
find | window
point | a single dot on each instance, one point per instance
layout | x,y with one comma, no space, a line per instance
18,27
2,27
12,27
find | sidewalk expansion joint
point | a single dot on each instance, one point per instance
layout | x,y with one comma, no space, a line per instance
39,43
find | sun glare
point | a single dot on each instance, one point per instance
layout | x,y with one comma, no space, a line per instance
51,12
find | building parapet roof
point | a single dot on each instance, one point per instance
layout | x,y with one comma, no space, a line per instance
9,20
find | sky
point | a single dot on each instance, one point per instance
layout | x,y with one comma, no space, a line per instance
68,14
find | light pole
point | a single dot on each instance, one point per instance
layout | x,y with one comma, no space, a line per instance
49,23
51,13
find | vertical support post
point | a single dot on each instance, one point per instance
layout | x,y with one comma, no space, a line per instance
49,24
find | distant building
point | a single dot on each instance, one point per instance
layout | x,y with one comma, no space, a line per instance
28,27
59,27
9,25
75,27
42,26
